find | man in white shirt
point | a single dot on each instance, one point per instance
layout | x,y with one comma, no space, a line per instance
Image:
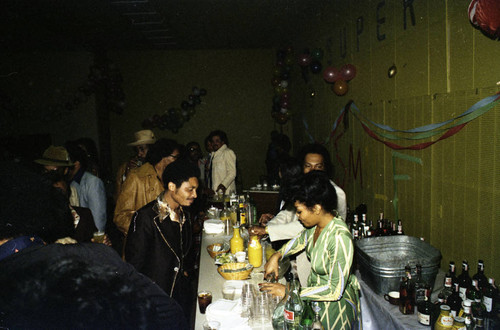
223,164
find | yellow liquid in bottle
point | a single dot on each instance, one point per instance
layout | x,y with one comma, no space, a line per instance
255,252
236,242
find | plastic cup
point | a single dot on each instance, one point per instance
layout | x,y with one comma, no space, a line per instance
99,237
211,325
228,292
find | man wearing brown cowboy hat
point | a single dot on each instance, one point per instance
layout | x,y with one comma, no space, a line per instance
56,158
143,139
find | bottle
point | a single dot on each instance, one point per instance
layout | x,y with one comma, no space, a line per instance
406,289
467,315
451,273
355,228
236,241
278,319
489,295
317,325
448,287
421,287
307,317
294,307
436,308
225,217
454,301
482,281
445,320
242,210
458,323
400,228
464,280
476,297
424,311
255,251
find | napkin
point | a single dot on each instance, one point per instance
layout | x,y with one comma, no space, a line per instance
227,312
213,226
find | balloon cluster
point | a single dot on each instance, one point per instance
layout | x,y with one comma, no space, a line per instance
109,78
280,81
174,118
311,61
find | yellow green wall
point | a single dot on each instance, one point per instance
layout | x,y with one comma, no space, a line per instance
238,100
444,67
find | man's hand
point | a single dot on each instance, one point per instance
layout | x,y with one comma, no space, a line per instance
264,218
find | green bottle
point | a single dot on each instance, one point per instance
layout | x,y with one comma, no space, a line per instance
307,316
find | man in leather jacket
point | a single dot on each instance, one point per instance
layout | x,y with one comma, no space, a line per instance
159,240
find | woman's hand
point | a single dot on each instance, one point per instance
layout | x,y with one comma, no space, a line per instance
257,230
271,266
275,289
264,218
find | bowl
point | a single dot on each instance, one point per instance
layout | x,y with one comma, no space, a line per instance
217,248
235,270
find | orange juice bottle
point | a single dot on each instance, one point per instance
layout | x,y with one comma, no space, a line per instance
236,241
255,251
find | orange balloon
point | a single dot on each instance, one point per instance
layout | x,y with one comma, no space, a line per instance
340,87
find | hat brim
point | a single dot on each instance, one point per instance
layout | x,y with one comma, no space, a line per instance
51,162
141,142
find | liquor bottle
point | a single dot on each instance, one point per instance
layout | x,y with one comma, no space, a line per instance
355,228
482,281
454,301
380,227
278,318
406,288
478,310
445,319
425,311
421,287
400,228
317,325
236,241
448,287
464,280
473,292
255,251
451,273
370,232
307,317
489,295
436,308
362,226
467,315
294,307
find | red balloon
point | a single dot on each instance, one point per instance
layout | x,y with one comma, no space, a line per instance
275,81
281,118
348,72
304,59
485,15
331,74
340,87
284,103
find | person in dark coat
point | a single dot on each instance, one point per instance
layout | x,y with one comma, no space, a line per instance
72,286
159,240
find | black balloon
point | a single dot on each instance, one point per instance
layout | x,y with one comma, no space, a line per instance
184,105
203,91
315,67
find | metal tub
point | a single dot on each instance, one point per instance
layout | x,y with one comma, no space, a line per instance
382,260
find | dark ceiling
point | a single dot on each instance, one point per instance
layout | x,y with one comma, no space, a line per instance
152,24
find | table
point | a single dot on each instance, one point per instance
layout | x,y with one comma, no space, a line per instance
266,201
211,280
376,312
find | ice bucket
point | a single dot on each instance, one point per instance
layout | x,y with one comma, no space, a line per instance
382,260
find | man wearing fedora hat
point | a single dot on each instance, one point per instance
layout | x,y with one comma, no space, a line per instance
143,139
56,158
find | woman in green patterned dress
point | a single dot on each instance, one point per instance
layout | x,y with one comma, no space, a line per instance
328,244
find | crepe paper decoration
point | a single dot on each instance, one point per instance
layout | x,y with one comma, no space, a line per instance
422,132
399,177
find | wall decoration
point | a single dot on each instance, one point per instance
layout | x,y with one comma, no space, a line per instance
445,129
280,82
174,118
398,177
485,15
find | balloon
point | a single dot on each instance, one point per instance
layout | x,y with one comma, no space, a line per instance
277,72
289,49
284,104
285,76
348,72
304,60
392,71
184,105
484,15
203,91
191,97
285,96
280,54
284,83
275,81
331,74
317,54
196,91
289,60
280,63
340,87
281,118
315,66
